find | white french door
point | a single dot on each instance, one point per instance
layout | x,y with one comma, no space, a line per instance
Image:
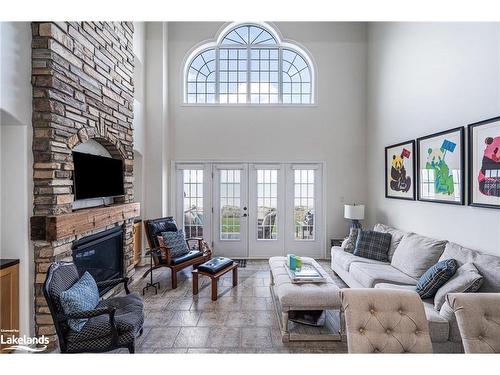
266,222
230,210
253,210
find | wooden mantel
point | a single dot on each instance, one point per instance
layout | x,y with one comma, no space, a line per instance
51,228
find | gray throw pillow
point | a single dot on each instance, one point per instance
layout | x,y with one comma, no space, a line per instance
176,242
350,242
415,254
372,245
397,236
467,279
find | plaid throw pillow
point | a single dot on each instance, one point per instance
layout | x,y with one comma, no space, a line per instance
373,245
176,241
435,277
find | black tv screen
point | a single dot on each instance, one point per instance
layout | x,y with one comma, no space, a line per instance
97,176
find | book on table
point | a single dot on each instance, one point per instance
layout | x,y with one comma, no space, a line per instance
308,273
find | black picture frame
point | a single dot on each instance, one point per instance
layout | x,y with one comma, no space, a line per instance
412,161
473,174
461,131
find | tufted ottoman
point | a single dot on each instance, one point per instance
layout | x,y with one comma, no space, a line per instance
288,296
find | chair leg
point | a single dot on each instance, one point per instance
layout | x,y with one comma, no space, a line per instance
131,347
174,279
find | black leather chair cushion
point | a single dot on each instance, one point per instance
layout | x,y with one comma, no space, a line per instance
191,255
165,224
214,265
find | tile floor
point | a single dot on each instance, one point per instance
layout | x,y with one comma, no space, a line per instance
242,320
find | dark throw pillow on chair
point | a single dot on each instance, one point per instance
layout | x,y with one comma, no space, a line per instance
373,245
176,241
435,277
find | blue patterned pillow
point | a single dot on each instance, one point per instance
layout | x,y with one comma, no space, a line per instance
435,277
82,296
176,241
373,245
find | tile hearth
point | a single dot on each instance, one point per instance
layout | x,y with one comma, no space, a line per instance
242,320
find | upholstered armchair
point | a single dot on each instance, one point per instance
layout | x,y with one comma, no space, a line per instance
385,321
114,323
478,319
161,256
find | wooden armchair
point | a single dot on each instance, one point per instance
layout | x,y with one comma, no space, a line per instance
161,255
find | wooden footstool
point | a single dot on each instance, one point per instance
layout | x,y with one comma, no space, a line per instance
215,268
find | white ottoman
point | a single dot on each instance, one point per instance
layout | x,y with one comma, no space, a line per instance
289,296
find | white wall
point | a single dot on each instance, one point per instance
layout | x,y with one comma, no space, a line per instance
156,150
332,131
423,78
139,123
16,158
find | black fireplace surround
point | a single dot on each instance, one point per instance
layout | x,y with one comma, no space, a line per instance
101,255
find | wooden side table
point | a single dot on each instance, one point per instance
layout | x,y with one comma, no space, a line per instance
215,278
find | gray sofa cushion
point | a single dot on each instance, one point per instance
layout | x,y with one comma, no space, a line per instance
466,280
415,254
412,288
487,265
369,275
344,259
397,236
439,327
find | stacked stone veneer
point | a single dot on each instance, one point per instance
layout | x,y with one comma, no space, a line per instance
82,77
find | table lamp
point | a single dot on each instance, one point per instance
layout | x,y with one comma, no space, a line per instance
354,212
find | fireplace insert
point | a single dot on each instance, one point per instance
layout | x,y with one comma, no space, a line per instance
101,255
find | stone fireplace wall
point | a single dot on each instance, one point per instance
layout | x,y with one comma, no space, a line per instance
82,78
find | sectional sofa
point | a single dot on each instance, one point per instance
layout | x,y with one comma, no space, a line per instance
410,255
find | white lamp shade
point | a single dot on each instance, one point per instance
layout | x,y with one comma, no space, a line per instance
354,212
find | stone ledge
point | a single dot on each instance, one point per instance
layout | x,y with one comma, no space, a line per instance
56,227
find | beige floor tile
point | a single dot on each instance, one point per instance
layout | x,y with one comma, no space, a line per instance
258,337
160,337
185,318
241,319
179,304
222,337
213,318
192,337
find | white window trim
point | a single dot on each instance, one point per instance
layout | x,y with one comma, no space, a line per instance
281,43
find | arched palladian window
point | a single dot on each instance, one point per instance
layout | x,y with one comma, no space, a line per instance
249,64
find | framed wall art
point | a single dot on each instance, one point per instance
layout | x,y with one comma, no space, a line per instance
484,163
400,171
441,167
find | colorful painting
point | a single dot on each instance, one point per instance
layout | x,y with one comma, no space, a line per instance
441,167
484,163
400,171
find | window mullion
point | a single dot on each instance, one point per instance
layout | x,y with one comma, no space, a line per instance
249,50
280,75
217,78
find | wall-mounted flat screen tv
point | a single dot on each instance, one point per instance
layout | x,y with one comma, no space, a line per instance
97,176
